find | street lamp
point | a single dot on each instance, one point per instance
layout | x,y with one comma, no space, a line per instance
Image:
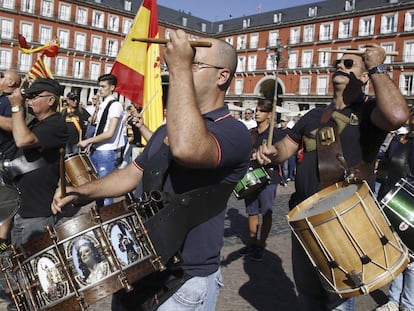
275,58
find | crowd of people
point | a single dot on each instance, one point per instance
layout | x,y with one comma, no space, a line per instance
208,150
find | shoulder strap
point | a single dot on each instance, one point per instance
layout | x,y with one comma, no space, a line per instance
103,119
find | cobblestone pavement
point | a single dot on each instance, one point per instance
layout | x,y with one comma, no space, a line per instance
266,285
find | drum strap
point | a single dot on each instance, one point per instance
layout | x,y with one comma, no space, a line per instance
331,162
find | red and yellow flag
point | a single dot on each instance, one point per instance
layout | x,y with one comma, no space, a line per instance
137,66
40,69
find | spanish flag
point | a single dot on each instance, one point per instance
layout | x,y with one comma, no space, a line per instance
137,66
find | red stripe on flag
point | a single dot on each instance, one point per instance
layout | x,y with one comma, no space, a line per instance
130,78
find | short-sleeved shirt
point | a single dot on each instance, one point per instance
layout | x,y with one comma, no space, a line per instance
6,138
360,141
38,187
115,111
79,115
201,249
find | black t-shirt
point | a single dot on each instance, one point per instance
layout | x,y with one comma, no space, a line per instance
81,115
38,187
360,140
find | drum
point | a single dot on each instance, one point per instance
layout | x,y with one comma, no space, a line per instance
348,239
253,181
79,169
81,261
398,206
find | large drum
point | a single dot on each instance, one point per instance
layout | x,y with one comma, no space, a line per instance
81,261
398,205
348,239
253,181
79,169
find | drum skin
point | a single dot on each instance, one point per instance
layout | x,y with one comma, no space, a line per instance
348,239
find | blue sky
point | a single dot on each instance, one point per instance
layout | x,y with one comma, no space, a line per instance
213,10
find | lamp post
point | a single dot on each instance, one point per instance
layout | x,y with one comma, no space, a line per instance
275,57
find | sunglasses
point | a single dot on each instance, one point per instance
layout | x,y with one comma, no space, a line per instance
348,63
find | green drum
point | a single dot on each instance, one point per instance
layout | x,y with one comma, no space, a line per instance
398,206
254,180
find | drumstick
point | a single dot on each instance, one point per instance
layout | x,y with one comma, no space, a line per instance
149,102
357,52
203,44
62,173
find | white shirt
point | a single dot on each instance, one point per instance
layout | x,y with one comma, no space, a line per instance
250,123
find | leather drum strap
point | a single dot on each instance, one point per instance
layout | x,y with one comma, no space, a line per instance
329,149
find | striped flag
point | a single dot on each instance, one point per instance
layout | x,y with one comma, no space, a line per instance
137,66
40,69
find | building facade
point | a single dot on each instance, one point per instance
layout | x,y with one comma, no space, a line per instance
288,45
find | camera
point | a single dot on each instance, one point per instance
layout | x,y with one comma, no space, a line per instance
130,120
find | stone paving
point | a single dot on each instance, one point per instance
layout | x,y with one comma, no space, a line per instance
266,285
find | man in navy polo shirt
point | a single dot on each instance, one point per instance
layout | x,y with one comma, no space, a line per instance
206,147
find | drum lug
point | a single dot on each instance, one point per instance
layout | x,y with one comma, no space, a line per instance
355,278
158,265
52,233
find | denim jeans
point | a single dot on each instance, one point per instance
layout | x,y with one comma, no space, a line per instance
25,229
197,294
402,288
105,163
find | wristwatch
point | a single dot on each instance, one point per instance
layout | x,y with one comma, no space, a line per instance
16,108
381,68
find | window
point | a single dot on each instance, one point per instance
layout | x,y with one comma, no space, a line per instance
5,58
26,29
8,4
349,5
271,62
28,6
325,59
313,11
304,85
95,71
277,18
308,33
45,34
241,42
409,21
96,45
64,12
388,47
126,26
246,23
108,68
408,52
111,47
322,85
82,16
203,27
61,66
254,40
389,23
184,21
345,29
127,5
113,23
98,19
238,87
307,59
293,60
220,28
6,28
273,38
251,63
78,69
46,8
229,40
241,64
80,41
325,32
63,36
406,84
366,26
294,35
25,62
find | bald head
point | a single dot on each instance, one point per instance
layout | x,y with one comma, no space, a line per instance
10,81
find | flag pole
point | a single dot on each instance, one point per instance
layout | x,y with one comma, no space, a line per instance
204,44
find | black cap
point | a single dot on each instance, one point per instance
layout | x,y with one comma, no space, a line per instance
71,96
45,84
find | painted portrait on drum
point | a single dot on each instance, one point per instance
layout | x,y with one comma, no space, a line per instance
89,263
52,280
125,245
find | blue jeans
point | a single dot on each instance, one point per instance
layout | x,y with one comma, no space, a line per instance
197,294
25,229
105,163
402,288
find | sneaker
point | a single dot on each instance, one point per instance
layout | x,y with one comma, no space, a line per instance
247,250
389,306
257,254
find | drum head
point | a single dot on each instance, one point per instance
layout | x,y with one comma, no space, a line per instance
9,202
